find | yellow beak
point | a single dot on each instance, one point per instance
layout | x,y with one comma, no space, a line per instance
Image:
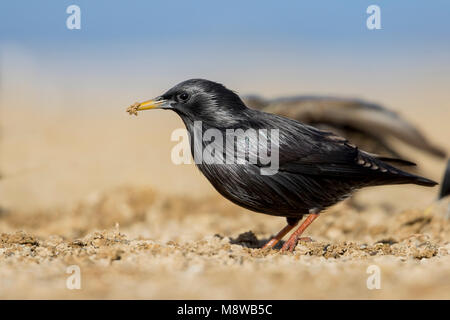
146,105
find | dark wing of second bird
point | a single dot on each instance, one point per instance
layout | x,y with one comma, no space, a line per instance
359,121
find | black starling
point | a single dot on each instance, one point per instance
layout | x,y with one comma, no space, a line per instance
356,120
316,169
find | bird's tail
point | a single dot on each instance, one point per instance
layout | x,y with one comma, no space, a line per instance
421,181
403,177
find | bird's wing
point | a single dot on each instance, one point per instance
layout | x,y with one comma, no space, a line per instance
306,150
365,117
333,156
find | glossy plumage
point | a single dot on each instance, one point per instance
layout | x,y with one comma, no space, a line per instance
316,168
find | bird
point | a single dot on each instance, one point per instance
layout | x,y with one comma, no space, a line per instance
445,185
316,169
357,120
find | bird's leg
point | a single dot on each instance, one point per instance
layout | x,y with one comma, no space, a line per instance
295,236
291,223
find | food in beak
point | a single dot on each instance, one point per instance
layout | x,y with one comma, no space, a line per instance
133,109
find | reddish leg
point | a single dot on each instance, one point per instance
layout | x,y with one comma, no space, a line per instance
295,236
272,242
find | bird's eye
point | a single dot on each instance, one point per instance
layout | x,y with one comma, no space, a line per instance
183,96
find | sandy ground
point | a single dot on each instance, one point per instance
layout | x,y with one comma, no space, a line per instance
175,247
99,191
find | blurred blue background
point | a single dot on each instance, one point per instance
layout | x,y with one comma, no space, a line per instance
266,47
333,24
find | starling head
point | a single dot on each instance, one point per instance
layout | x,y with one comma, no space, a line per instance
199,99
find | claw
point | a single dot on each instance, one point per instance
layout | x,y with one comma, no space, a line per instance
292,243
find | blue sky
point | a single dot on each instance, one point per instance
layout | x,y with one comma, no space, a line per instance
42,23
311,45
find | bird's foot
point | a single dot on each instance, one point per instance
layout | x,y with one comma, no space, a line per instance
292,242
295,237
